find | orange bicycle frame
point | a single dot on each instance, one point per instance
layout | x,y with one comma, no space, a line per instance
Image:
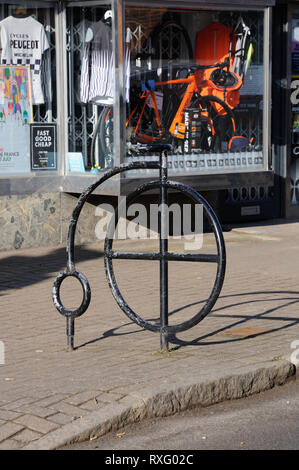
192,87
196,84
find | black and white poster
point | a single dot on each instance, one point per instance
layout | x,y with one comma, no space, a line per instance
43,145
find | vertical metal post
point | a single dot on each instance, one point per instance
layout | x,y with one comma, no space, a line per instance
163,250
119,108
83,108
71,67
49,113
70,331
61,85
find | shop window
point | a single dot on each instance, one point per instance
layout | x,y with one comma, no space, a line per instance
27,89
91,88
173,90
197,82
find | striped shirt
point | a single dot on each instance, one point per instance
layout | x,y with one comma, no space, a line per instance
97,73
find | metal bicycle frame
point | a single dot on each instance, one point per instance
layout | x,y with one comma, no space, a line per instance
163,256
192,88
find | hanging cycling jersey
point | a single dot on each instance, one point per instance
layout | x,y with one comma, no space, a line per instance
97,74
97,77
23,42
212,44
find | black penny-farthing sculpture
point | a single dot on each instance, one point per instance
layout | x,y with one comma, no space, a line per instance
163,185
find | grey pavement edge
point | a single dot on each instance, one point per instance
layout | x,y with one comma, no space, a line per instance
167,400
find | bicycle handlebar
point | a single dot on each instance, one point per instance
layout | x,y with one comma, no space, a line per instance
192,68
219,65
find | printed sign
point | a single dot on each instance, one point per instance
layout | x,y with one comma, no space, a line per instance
254,81
43,146
15,117
75,162
159,100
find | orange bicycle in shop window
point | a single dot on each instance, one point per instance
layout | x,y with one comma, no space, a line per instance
199,117
186,112
193,113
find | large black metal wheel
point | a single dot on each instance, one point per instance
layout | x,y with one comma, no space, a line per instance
219,258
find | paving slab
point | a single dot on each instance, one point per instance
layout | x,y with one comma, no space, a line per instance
116,375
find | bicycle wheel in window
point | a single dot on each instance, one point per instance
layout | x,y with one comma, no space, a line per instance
102,141
170,41
142,124
170,44
106,137
217,124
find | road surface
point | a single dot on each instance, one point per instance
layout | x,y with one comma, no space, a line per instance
267,421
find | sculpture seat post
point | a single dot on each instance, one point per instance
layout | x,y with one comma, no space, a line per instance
70,332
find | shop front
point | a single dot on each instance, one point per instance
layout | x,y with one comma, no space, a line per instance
289,90
86,85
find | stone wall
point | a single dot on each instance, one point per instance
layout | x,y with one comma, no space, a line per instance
42,219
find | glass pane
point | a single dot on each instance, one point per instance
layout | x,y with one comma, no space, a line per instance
294,166
28,88
196,81
91,87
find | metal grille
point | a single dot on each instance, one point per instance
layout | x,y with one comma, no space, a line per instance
138,37
171,45
81,118
248,194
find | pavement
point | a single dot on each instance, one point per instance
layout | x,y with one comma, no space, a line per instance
117,374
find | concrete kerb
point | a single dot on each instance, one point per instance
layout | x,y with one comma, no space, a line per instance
166,400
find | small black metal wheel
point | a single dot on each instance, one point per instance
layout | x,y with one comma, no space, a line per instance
86,294
219,258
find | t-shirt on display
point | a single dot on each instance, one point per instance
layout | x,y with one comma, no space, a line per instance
23,42
97,77
97,73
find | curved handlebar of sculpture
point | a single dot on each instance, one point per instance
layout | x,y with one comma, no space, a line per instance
85,194
71,271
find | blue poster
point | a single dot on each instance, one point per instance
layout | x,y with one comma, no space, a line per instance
15,117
